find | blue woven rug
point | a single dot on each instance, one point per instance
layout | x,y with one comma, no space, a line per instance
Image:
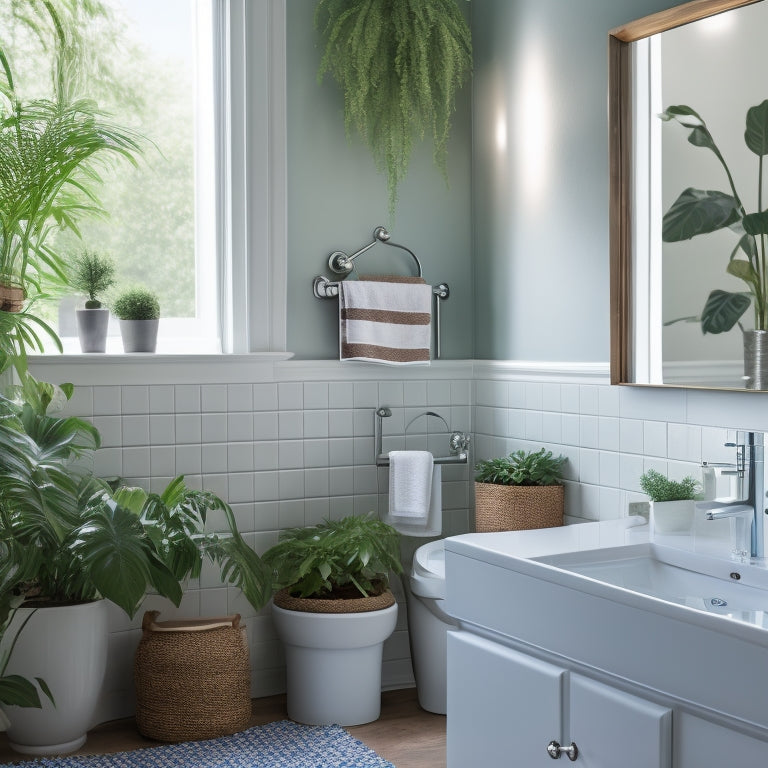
283,744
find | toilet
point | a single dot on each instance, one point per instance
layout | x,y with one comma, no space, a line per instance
428,624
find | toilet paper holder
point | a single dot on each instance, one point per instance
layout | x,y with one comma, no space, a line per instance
458,442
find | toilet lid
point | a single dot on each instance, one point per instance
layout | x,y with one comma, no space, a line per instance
428,572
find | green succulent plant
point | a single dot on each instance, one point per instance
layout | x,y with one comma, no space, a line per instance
351,557
660,488
137,304
540,467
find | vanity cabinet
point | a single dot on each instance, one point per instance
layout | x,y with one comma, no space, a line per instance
506,707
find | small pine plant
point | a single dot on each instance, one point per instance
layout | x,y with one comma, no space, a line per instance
660,488
92,274
137,304
540,467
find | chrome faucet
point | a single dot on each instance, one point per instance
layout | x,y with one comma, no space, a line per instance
747,514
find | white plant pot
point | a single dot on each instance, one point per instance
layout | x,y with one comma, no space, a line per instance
139,335
334,664
672,516
92,325
66,646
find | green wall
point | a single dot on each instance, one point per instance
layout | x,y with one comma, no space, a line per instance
336,199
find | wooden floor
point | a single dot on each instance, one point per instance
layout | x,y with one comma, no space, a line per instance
405,734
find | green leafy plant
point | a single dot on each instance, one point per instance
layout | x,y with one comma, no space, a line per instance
137,304
15,566
51,153
699,212
86,541
399,63
92,274
660,488
351,557
540,467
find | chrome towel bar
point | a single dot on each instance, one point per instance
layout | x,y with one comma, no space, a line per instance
458,442
341,264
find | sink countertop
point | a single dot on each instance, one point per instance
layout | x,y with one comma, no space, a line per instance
497,548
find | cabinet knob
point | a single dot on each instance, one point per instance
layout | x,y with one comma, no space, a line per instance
555,751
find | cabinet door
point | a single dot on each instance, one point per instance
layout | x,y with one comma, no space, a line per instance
613,728
503,707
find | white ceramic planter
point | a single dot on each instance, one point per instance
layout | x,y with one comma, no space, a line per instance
672,516
92,325
334,664
67,647
139,335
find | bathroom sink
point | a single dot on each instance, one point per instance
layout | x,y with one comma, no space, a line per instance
736,591
688,625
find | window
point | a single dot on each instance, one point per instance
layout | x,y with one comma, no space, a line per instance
182,74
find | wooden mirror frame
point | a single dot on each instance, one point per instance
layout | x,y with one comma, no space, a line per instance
620,143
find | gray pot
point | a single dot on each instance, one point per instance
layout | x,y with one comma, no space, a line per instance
756,359
92,329
139,335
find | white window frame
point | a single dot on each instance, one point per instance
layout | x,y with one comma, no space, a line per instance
251,199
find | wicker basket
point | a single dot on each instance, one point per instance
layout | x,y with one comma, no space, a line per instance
193,678
517,507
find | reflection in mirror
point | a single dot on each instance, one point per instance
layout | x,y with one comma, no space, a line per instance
689,135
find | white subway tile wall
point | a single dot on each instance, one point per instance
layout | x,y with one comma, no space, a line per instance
293,452
283,454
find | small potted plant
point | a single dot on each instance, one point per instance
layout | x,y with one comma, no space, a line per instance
92,274
333,610
672,501
520,491
139,312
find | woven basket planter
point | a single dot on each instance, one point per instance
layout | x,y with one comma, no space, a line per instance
517,507
193,678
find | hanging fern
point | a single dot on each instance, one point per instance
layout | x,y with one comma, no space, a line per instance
399,63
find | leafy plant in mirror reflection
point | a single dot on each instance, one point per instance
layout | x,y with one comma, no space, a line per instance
699,212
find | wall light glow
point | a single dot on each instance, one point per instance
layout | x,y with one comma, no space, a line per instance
716,25
501,132
533,124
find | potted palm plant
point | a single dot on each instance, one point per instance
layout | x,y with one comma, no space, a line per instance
92,274
672,501
699,212
51,150
520,491
84,544
333,611
139,312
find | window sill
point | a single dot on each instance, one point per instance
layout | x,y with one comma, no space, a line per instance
87,369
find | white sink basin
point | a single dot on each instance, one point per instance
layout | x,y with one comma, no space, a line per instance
735,591
688,625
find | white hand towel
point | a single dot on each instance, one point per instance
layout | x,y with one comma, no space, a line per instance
410,485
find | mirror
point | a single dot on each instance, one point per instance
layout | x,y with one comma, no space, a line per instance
689,246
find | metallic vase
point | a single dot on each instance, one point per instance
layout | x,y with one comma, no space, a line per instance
756,359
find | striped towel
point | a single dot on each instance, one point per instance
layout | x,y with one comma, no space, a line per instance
385,320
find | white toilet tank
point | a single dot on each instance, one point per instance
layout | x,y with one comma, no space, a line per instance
428,625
